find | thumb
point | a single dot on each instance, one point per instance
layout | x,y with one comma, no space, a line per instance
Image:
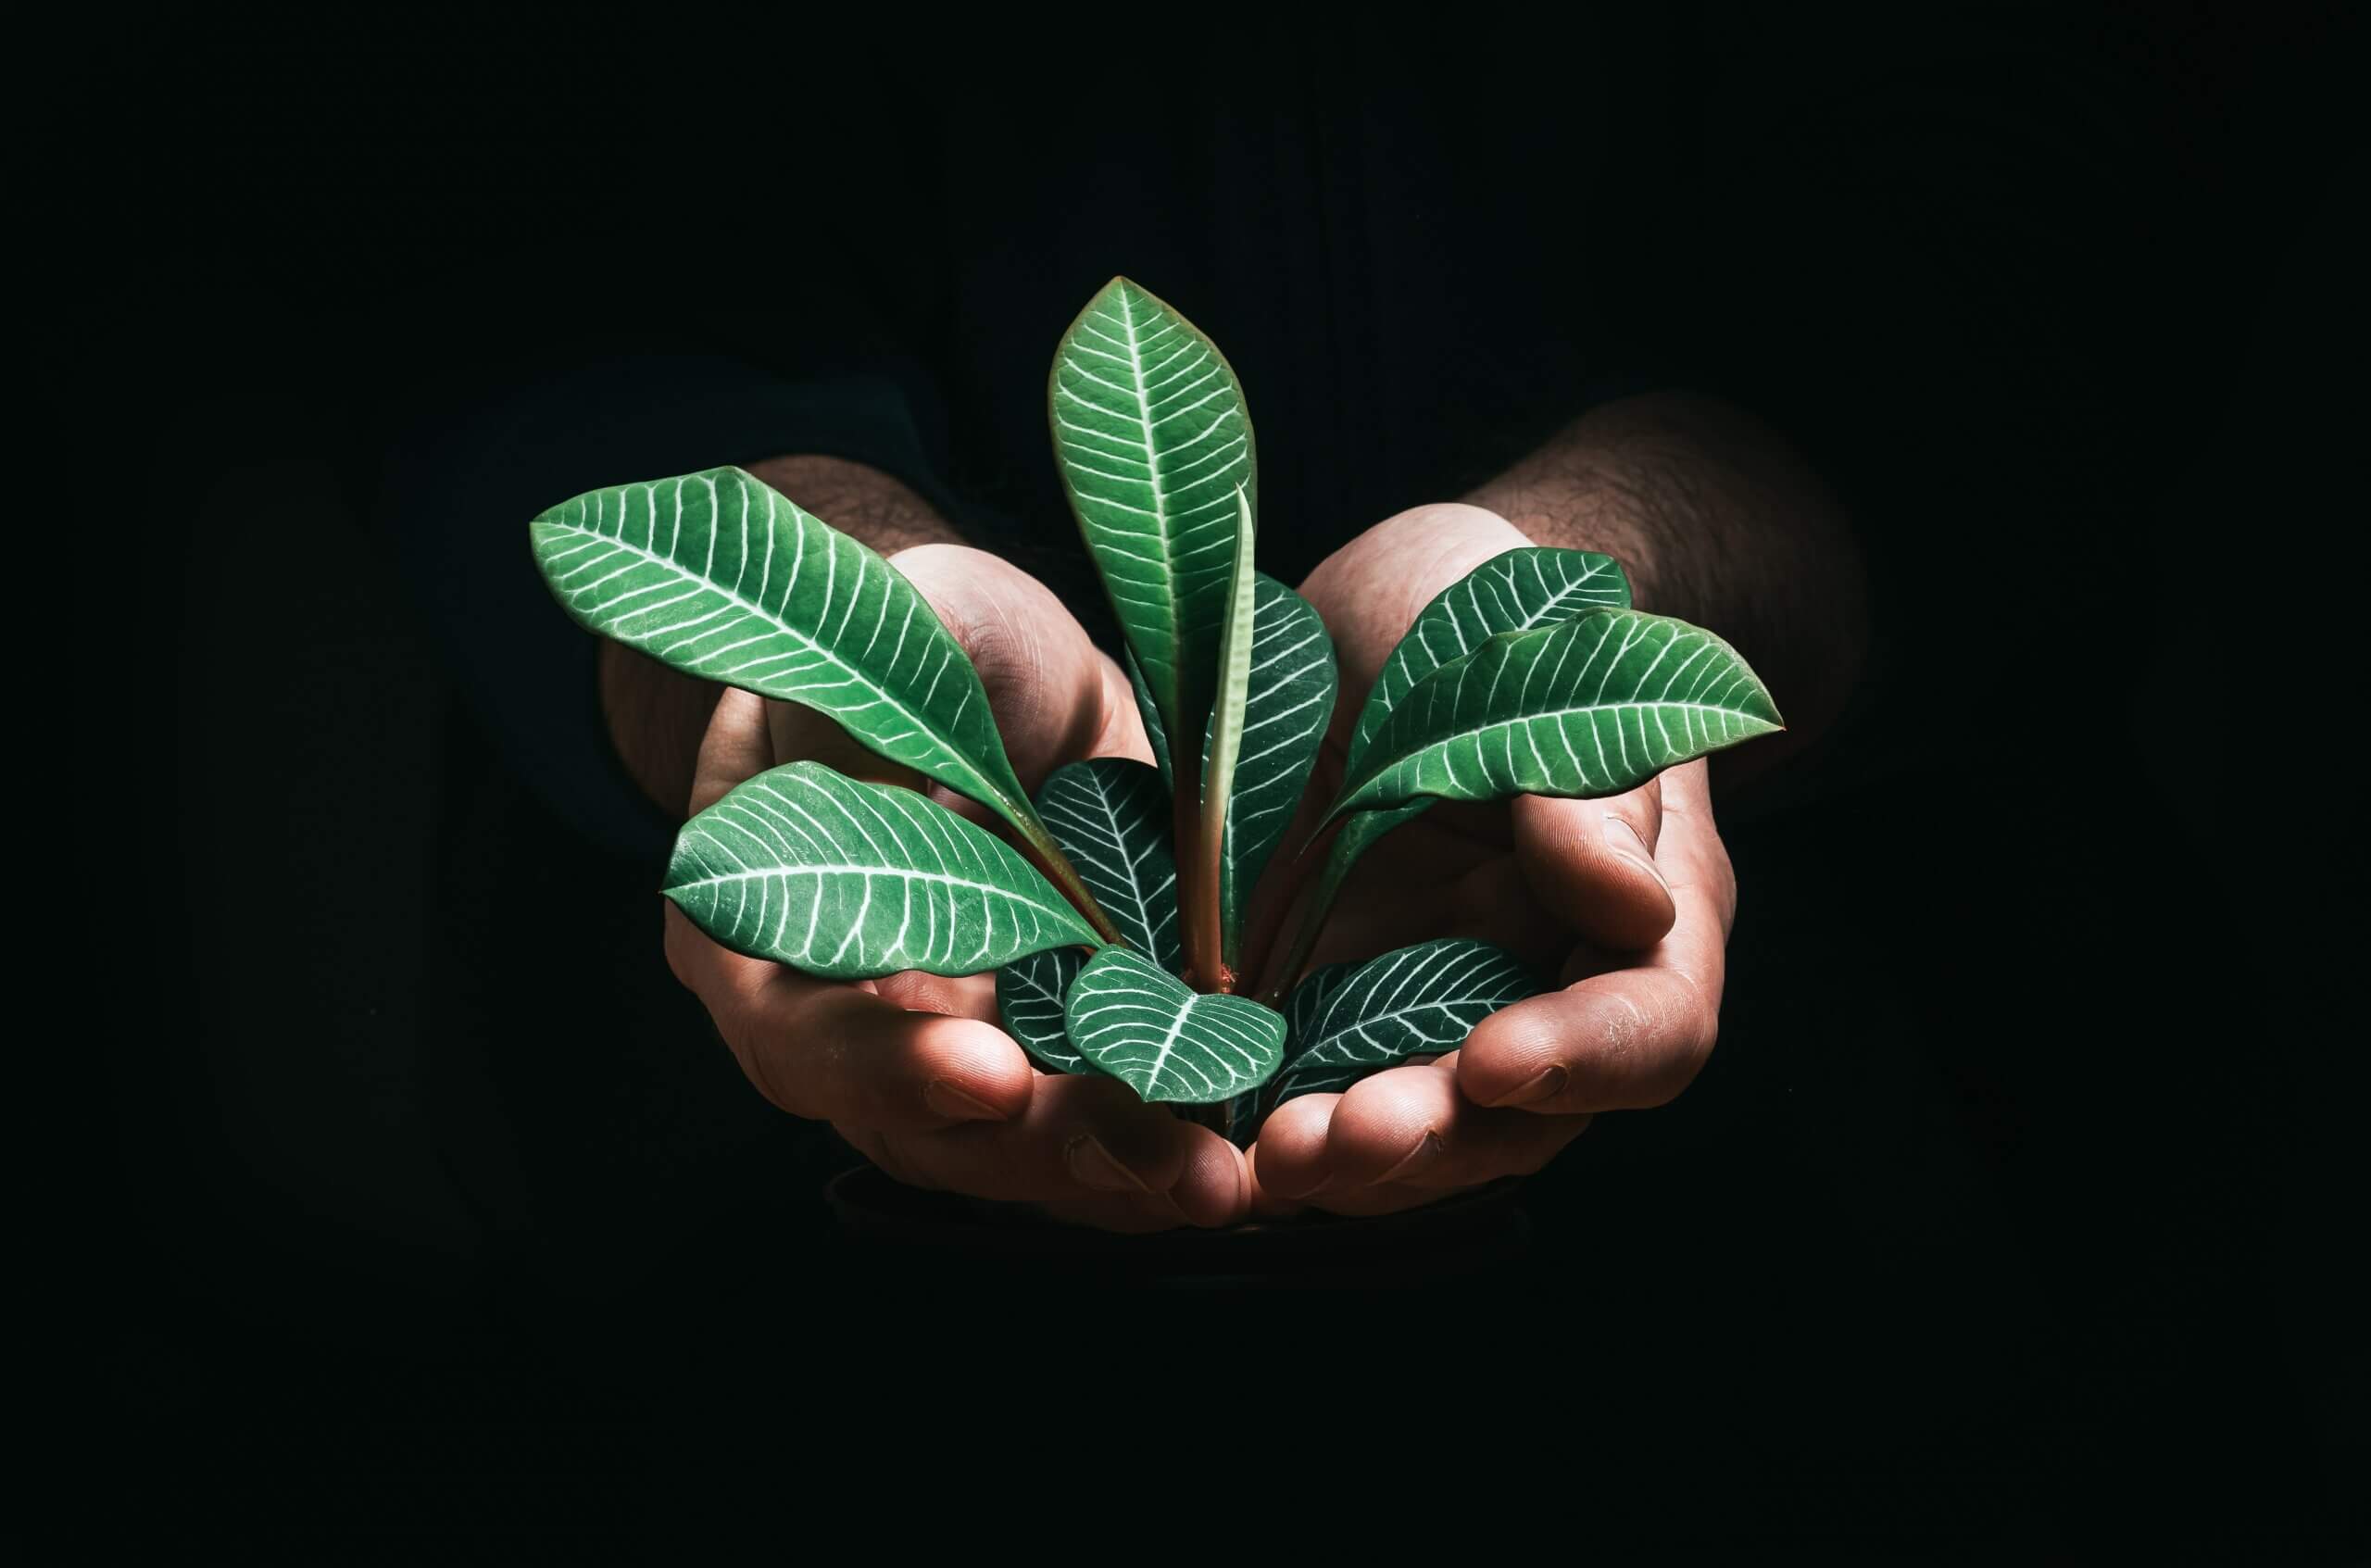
1591,863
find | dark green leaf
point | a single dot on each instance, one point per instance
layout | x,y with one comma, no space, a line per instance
1111,817
1029,999
1419,1001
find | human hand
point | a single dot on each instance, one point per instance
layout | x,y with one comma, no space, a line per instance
1627,900
910,1068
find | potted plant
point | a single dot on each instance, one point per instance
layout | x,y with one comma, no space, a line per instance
1146,921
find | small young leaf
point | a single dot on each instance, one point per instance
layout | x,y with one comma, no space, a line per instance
1140,1024
720,576
851,881
1111,818
1419,1000
1029,999
1589,707
1152,440
1513,592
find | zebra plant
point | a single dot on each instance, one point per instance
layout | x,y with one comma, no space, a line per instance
1113,906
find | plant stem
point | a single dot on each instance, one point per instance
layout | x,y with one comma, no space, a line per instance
1197,896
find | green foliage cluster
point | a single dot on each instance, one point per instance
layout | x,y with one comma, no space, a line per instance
1118,925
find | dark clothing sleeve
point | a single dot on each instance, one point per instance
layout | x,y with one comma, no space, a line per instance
461,489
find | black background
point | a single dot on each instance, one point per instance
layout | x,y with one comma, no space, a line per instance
2003,1215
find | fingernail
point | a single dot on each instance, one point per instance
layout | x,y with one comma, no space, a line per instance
1093,1164
1625,842
1427,1149
948,1100
1548,1085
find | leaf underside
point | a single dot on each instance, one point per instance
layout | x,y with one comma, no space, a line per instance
852,881
720,576
1111,818
1153,439
1029,999
1140,1024
1589,707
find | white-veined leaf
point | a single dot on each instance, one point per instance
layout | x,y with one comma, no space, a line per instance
1140,1024
1029,999
1417,1001
1111,817
1588,707
850,881
718,575
1292,682
1513,592
1152,440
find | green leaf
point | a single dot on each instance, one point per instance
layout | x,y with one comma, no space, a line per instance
720,576
851,881
1152,440
1592,706
1111,818
1419,1000
1514,592
1292,686
1029,999
1157,736
1140,1024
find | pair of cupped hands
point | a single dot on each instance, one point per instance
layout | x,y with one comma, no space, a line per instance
1628,901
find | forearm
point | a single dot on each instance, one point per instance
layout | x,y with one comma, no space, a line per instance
655,716
1718,521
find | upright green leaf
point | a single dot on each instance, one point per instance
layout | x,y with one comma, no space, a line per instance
1140,1024
1111,818
1029,999
1417,1001
1513,592
1592,706
1290,697
1152,440
720,576
850,881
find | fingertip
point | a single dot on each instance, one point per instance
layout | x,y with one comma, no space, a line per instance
971,1071
1288,1161
1388,1124
1214,1188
